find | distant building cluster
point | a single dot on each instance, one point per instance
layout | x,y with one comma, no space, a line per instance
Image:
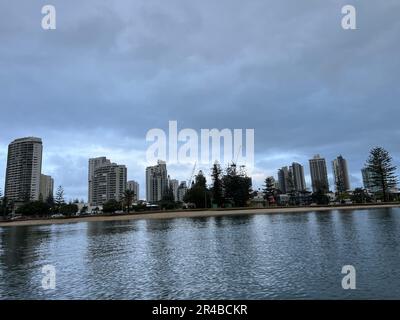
108,180
292,178
157,182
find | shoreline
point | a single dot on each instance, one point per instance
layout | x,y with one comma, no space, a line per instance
193,214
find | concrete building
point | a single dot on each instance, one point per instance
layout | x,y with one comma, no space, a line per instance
109,183
174,184
341,174
297,171
134,186
46,187
93,164
182,189
24,167
283,179
156,181
319,174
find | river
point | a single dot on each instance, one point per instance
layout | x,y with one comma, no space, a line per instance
271,256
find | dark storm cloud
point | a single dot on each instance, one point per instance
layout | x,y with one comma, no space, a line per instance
112,71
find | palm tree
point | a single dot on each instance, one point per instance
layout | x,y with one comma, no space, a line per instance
127,199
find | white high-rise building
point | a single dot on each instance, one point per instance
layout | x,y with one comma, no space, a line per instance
156,181
319,174
341,174
134,186
93,164
109,183
297,172
46,187
24,167
283,179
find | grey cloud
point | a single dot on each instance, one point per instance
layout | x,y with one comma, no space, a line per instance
284,68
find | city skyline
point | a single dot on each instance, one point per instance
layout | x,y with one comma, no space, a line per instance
46,182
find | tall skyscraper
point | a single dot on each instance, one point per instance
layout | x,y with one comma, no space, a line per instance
182,189
109,183
341,174
174,184
93,164
46,187
156,181
24,167
319,174
283,177
297,172
134,186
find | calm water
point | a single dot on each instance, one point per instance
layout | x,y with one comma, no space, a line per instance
248,257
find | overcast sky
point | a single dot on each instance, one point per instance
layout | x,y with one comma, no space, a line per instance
113,70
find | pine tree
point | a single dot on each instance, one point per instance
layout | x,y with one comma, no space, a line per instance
217,186
59,199
383,175
198,193
237,185
269,190
127,199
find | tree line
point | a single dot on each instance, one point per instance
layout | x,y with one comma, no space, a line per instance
51,205
231,187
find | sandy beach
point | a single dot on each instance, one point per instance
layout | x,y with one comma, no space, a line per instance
192,214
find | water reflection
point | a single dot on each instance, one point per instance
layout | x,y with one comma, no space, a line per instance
289,255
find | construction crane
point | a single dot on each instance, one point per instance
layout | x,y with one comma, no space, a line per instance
191,176
237,155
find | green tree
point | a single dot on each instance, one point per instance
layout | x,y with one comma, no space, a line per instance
127,199
111,206
217,185
3,205
168,199
50,200
84,210
199,193
59,199
360,196
319,197
269,190
237,186
383,172
34,208
321,187
69,209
